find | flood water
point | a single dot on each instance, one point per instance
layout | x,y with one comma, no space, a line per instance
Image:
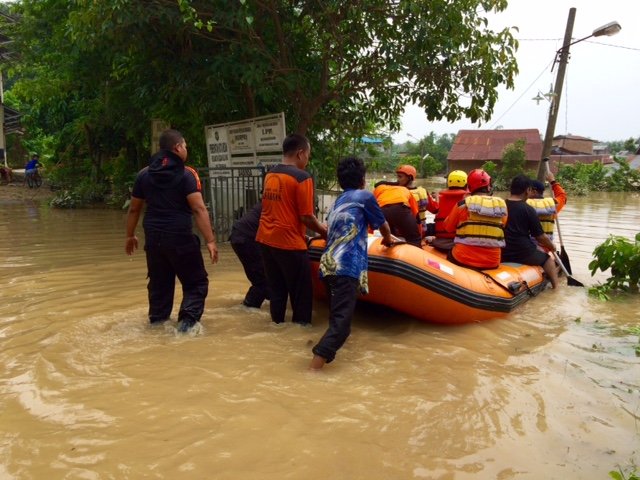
89,391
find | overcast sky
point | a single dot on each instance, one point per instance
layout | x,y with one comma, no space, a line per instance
601,93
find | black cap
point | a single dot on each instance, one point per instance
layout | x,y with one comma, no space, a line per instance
537,185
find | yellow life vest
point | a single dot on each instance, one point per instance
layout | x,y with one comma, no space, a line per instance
546,210
483,228
420,194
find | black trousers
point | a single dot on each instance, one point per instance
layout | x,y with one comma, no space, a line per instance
289,277
248,252
402,223
170,256
343,293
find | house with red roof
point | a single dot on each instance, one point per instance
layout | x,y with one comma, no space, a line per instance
472,148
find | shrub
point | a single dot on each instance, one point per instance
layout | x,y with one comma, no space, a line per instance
623,258
83,194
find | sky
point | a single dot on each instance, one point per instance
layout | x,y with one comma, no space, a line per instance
601,94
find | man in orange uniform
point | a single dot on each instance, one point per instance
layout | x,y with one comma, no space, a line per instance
478,222
447,199
400,210
406,177
287,211
547,208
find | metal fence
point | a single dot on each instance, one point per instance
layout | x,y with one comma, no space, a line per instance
228,194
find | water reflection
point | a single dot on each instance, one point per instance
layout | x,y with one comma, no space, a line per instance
89,390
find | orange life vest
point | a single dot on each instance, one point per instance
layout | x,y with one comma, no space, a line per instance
447,199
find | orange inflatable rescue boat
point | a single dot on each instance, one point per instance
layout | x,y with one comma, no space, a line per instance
422,283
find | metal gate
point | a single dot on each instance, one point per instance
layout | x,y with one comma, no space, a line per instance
229,193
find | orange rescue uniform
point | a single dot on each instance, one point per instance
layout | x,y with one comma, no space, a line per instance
394,194
447,200
287,195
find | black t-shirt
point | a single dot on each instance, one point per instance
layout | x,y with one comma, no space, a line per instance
245,228
164,185
522,224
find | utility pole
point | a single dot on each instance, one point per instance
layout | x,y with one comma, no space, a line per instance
562,59
3,146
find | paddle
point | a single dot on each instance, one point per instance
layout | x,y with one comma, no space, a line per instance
572,282
563,258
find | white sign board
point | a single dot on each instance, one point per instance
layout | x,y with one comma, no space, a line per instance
218,154
269,161
243,161
269,133
241,138
237,144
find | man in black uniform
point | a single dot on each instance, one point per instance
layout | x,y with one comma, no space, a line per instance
522,225
243,242
173,195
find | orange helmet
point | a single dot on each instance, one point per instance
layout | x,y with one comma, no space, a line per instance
478,179
408,170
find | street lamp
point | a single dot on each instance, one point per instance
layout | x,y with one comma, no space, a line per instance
562,58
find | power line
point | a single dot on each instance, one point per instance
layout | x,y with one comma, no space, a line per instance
522,95
615,46
587,41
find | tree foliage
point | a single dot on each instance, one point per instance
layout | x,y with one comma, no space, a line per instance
581,178
622,257
436,149
513,162
93,74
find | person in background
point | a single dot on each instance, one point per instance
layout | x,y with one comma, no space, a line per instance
31,167
522,225
173,195
400,210
547,208
6,174
447,199
407,175
343,265
243,242
478,222
287,211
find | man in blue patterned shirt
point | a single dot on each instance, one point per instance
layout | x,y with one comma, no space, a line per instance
343,265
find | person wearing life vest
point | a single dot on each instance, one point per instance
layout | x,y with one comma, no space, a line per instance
547,208
478,222
447,199
400,209
426,203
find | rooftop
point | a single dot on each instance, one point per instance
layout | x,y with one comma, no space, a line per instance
489,144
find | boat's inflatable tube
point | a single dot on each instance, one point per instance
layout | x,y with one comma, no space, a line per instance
423,284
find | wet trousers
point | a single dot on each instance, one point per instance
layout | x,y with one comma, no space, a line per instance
343,292
289,277
170,256
248,252
403,223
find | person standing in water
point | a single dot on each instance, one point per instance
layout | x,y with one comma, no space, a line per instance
173,195
287,211
343,265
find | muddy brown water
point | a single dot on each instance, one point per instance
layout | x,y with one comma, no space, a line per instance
89,391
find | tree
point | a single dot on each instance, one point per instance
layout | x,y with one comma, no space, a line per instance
95,73
363,60
630,145
513,161
436,148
